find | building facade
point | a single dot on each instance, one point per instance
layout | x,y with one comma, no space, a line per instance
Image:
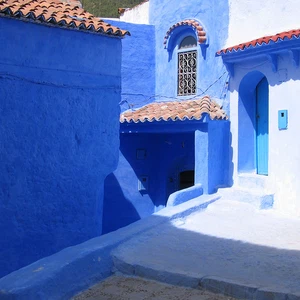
174,130
257,155
60,85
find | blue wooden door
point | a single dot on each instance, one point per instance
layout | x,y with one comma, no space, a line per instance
262,127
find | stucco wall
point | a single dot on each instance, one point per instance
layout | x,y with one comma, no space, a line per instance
166,155
149,74
252,19
138,14
138,65
60,91
213,15
284,145
212,156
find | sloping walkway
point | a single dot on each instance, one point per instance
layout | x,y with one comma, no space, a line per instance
206,243
230,247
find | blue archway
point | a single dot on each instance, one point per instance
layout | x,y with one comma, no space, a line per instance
253,111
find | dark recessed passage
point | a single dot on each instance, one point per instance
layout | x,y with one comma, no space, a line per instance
187,179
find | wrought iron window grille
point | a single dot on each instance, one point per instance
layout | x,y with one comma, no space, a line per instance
187,67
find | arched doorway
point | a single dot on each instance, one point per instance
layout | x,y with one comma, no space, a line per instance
253,124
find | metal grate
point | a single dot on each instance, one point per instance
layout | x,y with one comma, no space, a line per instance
187,73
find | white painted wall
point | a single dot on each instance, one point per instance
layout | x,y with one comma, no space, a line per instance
138,14
251,19
284,145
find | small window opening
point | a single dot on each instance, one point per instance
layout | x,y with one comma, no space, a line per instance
187,67
187,179
188,42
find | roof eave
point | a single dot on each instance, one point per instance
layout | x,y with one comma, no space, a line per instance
163,126
61,26
250,51
269,50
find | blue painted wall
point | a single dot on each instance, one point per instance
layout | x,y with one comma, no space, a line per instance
148,74
212,156
59,126
138,65
247,122
167,154
219,140
214,16
170,148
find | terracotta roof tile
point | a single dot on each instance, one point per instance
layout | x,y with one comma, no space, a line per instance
201,34
58,13
266,40
175,111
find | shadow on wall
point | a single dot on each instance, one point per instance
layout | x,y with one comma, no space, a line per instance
116,212
175,173
157,158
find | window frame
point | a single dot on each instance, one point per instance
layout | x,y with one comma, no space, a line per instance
186,50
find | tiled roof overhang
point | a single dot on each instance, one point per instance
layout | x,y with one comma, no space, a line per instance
263,41
175,111
58,14
199,30
269,46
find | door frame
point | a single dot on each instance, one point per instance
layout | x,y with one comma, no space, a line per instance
246,125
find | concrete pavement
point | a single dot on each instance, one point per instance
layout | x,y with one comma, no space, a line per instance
230,248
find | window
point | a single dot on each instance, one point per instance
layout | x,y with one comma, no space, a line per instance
187,67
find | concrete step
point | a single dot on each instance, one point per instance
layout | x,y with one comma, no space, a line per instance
255,197
252,181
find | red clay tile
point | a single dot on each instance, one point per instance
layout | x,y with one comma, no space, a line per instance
55,12
201,34
266,39
175,110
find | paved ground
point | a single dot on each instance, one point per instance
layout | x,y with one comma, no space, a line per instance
230,247
134,288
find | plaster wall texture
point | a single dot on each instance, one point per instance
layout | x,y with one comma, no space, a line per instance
284,160
58,137
212,155
166,155
251,19
137,15
138,65
149,73
219,155
214,16
74,269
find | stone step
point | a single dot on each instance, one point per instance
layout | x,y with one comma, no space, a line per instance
255,197
252,181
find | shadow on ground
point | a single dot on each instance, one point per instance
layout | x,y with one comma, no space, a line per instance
159,248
